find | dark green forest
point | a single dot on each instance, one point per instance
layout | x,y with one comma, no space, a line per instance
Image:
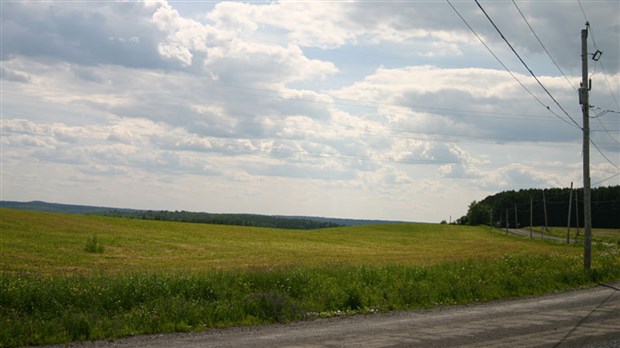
512,208
220,219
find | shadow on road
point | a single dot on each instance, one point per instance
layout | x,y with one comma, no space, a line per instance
585,319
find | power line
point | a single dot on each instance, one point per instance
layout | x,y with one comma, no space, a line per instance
603,112
613,95
368,104
543,46
602,181
587,23
598,118
607,131
601,152
527,67
589,28
509,71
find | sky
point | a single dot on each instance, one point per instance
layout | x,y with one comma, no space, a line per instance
398,110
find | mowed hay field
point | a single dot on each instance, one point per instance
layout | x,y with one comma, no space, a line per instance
146,277
48,243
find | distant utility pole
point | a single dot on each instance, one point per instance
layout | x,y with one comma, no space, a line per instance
516,218
585,106
577,215
570,202
531,220
545,209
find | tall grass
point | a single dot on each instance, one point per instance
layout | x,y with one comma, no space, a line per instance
163,277
93,245
37,309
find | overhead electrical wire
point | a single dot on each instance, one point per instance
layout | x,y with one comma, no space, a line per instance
603,112
602,181
587,21
543,46
607,131
574,124
602,154
439,162
507,69
526,66
530,71
611,91
346,102
608,84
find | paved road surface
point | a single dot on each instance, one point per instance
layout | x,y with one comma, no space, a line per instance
584,318
537,235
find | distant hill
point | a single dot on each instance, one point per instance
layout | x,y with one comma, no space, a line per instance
278,221
57,207
347,222
233,219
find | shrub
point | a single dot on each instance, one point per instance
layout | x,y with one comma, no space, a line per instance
93,245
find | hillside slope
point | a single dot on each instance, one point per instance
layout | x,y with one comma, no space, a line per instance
51,243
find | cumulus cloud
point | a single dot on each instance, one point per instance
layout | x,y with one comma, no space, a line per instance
558,24
127,145
376,103
435,100
81,33
518,175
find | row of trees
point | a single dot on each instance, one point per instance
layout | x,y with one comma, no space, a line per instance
512,208
221,219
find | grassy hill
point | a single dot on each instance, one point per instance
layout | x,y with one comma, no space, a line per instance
54,243
145,277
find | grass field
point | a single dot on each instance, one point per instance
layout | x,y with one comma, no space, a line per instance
151,276
599,235
47,243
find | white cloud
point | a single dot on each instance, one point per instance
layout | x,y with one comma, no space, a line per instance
443,101
183,36
242,62
517,175
359,109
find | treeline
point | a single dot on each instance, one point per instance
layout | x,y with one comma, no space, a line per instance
221,219
512,208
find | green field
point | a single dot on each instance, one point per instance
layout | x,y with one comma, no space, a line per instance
599,235
48,243
164,276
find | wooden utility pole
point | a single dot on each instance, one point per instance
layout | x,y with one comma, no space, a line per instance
531,219
585,106
577,215
570,203
545,209
506,220
516,219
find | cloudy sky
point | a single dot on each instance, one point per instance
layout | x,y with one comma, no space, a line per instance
360,109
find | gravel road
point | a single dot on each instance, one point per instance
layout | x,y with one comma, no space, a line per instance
584,318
